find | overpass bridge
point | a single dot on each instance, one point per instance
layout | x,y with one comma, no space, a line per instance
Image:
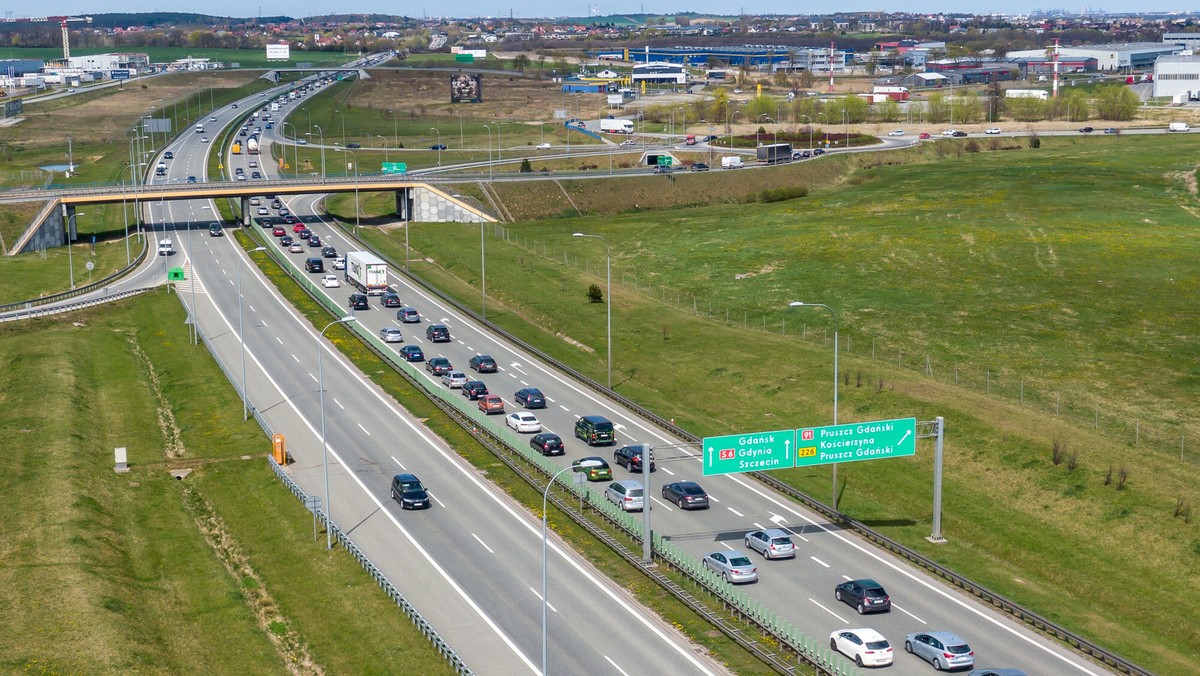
416,201
273,74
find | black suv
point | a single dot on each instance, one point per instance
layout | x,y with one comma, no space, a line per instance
437,333
483,363
438,366
595,430
408,491
314,265
530,397
474,389
630,457
358,301
865,596
390,299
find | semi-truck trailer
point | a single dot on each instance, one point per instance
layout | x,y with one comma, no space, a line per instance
615,126
252,146
366,272
775,152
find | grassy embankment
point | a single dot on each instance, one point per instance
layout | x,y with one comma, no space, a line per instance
1021,274
112,573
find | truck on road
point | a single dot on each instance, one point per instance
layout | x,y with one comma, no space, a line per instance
614,126
773,153
366,272
1178,126
237,148
252,145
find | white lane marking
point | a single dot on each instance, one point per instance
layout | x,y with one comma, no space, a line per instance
710,497
525,383
339,404
665,505
819,561
779,521
484,544
667,471
278,341
513,376
909,614
728,547
539,596
564,408
847,578
840,618
758,525
398,463
614,665
363,429
314,378
435,499
735,511
517,367
295,357
251,308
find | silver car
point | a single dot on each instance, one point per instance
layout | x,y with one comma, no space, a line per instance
734,566
772,543
391,334
942,649
454,379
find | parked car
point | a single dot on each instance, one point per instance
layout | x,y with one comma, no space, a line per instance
482,363
408,315
598,470
437,333
547,443
412,353
454,379
530,397
438,365
772,543
408,490
358,301
626,494
474,389
867,647
390,299
630,457
865,596
595,430
734,566
523,421
391,334
490,403
330,282
685,495
942,649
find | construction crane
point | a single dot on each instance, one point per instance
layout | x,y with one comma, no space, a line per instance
63,20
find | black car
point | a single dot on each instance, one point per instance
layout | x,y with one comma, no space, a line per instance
168,155
630,457
547,443
482,363
286,241
440,146
699,166
818,151
1086,130
710,137
865,596
314,265
215,230
390,299
438,365
530,397
408,491
437,333
358,301
314,241
304,234
352,145
474,389
255,174
328,252
958,133
191,179
686,495
412,353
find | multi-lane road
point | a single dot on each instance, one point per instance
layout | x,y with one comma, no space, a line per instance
473,562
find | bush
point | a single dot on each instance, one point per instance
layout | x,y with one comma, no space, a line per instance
783,194
594,294
525,166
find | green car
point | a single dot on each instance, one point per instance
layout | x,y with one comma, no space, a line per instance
597,469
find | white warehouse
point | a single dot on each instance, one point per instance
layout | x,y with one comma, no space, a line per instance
1177,77
659,72
1109,57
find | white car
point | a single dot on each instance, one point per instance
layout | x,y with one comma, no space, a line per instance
542,146
253,164
454,379
523,421
993,130
948,132
867,647
262,211
630,142
254,202
204,139
330,282
301,142
339,264
898,132
295,247
391,334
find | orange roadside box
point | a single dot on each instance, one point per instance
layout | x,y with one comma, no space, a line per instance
279,449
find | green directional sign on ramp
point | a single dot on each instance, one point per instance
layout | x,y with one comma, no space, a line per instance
856,441
749,452
395,167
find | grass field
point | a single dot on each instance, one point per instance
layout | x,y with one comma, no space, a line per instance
113,573
1022,262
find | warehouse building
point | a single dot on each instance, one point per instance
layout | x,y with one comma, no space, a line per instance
660,73
1177,77
1110,57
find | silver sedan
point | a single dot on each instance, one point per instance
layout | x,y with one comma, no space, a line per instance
734,566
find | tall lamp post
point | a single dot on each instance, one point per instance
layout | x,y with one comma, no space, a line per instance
608,266
833,313
385,147
489,131
583,464
338,112
295,148
846,127
70,261
439,144
810,132
321,135
356,210
241,335
395,129
819,116
324,445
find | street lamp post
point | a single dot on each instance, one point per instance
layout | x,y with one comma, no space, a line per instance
324,444
810,132
338,112
321,135
833,313
241,335
846,127
356,209
819,116
489,133
385,147
583,464
608,266
295,148
439,144
70,260
395,129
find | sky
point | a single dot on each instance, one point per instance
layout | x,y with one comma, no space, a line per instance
579,8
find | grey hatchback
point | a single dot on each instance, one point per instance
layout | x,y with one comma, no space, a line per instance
772,543
942,649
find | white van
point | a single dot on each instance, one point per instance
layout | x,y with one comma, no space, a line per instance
1178,126
732,162
166,247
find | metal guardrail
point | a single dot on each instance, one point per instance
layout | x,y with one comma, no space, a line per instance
29,304
32,312
1038,622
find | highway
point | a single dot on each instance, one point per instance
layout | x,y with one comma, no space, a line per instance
471,563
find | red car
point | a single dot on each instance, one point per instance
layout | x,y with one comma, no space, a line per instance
298,227
278,231
923,135
490,403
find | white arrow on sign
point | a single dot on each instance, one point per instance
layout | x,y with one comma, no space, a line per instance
787,449
906,433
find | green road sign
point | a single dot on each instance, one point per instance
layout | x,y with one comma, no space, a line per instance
748,452
464,58
395,167
175,275
664,160
856,441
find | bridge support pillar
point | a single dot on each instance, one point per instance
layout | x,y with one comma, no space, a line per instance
404,204
246,217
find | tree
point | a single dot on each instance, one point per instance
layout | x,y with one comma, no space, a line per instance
937,109
1026,108
1115,102
521,62
526,167
594,294
887,111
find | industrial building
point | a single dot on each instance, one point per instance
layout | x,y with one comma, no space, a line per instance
659,73
1110,57
1188,41
109,62
19,67
1177,77
812,59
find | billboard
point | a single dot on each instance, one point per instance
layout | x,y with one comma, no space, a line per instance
279,52
466,88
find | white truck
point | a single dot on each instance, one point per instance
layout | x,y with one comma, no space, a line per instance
1178,126
732,162
613,126
366,272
